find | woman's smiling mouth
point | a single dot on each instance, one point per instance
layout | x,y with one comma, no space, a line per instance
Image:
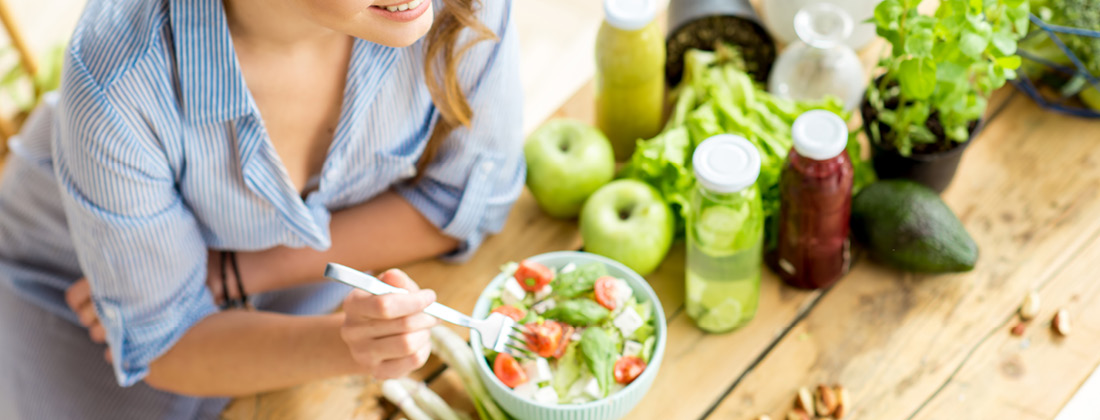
403,12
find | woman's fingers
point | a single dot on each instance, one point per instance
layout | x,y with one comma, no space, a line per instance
361,305
372,329
397,368
87,315
398,278
78,295
398,346
97,333
388,334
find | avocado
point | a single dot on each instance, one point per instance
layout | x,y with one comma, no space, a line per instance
905,224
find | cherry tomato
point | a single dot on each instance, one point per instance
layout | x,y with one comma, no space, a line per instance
628,368
509,371
566,337
510,311
544,338
605,291
533,276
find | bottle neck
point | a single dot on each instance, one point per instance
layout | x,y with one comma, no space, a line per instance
819,168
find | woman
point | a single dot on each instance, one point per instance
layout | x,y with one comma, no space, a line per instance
250,142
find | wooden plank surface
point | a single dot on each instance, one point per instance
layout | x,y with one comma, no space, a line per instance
1027,191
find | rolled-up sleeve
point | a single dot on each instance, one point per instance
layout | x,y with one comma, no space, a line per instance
470,187
138,244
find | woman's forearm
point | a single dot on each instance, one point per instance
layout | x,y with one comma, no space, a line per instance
382,233
235,353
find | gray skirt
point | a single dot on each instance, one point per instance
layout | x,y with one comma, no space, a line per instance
50,369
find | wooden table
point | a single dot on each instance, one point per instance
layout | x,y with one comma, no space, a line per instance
906,346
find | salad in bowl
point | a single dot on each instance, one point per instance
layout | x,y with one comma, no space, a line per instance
593,337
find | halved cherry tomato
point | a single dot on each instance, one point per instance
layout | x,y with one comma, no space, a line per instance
510,311
544,338
566,337
509,371
532,276
605,291
628,368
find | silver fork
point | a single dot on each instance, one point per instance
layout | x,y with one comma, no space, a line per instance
497,332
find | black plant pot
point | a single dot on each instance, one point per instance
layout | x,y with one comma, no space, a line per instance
700,24
935,170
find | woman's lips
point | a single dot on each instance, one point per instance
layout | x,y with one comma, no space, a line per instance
403,12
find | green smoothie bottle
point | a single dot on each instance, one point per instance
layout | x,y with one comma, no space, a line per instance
725,235
630,66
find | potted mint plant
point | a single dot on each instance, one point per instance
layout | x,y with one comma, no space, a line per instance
927,106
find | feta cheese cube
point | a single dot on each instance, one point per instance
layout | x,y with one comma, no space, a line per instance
513,293
526,390
568,267
621,292
632,348
543,293
546,395
544,306
538,370
577,389
628,322
592,389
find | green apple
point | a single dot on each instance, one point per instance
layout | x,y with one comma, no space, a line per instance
567,161
628,221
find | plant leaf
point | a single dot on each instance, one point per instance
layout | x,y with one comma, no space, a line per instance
919,43
1004,42
917,77
1011,62
972,44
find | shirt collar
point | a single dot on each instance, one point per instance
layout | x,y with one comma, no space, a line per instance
212,86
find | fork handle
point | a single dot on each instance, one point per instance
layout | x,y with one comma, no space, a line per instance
372,285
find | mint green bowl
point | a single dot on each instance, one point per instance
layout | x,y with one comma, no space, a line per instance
614,407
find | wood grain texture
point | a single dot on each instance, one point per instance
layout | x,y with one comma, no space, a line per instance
1031,377
1027,191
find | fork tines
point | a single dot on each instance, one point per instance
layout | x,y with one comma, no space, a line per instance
517,342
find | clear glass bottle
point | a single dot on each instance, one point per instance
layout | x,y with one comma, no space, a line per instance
725,235
815,204
820,64
630,69
779,17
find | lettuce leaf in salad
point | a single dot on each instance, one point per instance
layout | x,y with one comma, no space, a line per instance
647,348
578,282
569,369
578,312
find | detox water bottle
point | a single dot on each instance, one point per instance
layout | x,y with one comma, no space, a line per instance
725,235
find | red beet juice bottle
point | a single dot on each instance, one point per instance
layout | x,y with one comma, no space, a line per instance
815,203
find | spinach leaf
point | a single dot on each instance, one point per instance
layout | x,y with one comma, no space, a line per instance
599,354
578,312
579,281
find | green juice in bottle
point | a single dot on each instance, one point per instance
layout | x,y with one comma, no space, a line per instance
725,235
630,74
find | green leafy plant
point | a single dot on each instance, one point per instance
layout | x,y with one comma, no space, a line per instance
942,69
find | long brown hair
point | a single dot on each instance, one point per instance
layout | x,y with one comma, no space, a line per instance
441,70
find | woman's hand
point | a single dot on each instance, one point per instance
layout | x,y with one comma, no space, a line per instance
388,335
79,298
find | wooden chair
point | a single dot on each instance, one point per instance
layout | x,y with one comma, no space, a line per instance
9,125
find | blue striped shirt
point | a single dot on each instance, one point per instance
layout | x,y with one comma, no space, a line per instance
155,152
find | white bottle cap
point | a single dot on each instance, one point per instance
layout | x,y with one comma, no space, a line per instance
726,163
629,15
819,134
